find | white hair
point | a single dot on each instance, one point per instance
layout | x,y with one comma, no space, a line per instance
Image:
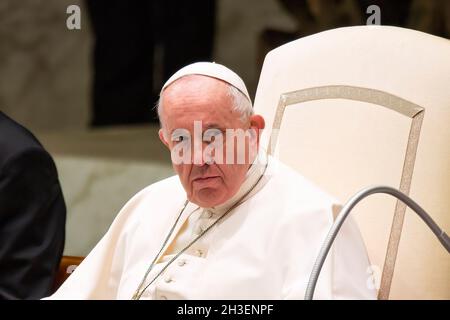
241,103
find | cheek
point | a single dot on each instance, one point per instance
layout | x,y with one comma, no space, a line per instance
239,151
183,172
232,176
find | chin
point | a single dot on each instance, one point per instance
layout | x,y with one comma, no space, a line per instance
209,198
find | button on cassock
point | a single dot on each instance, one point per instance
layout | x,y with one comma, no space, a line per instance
208,214
199,230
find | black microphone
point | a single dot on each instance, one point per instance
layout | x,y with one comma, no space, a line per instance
441,235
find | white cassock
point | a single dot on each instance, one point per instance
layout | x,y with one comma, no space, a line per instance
265,248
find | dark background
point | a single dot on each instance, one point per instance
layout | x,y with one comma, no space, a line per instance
182,32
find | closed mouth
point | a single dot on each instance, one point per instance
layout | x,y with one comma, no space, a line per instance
206,178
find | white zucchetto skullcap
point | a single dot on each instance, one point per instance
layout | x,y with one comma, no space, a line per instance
210,69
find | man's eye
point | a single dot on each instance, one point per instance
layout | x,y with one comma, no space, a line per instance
212,133
180,139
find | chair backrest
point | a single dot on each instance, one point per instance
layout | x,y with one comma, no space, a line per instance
67,265
366,105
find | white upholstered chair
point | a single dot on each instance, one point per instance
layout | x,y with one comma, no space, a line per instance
359,106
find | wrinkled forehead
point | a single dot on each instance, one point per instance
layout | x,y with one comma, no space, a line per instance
194,93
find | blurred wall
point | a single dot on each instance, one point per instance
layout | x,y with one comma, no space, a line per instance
239,25
46,76
44,67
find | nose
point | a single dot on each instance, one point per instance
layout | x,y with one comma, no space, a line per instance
201,158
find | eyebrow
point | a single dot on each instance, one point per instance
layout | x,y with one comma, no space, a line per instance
213,126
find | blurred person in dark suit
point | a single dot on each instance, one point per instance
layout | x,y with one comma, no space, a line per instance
32,215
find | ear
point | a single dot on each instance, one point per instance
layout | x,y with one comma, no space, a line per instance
257,122
162,138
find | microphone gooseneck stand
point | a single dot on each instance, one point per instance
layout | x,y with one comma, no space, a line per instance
441,235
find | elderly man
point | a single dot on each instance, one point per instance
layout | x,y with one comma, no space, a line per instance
234,224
